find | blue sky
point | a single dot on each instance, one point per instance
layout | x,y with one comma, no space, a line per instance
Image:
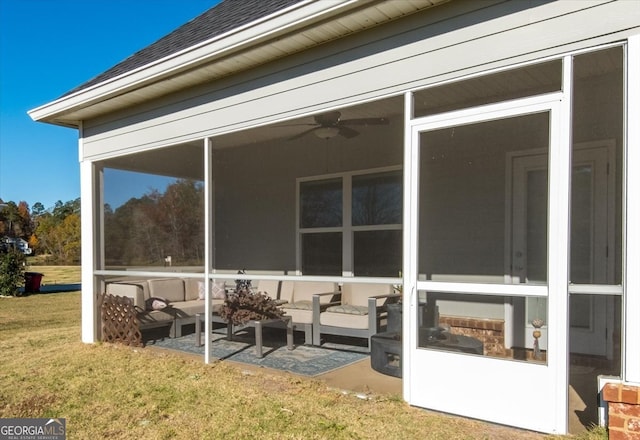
48,47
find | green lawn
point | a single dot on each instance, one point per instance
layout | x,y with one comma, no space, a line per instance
56,274
116,392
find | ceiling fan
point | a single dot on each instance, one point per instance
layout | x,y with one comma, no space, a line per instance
328,125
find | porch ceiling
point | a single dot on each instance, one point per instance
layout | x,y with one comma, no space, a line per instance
185,160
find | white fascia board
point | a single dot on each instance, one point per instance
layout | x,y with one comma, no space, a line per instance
283,21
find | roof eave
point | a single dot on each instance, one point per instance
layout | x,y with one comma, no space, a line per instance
282,22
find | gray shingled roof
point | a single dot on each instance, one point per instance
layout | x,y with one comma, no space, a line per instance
224,17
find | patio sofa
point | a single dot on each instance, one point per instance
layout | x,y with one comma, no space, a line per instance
184,299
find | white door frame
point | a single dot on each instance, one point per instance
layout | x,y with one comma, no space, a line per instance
595,339
541,393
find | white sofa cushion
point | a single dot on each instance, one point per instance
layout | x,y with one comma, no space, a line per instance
171,289
344,320
358,294
132,289
191,289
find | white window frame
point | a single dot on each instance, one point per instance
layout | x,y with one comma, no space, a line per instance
347,229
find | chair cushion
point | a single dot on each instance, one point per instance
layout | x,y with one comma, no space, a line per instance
156,316
269,288
358,293
349,309
344,320
188,308
300,305
171,289
191,287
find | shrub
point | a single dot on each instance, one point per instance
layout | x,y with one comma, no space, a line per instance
11,272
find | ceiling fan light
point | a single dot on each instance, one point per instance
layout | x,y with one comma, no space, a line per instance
326,132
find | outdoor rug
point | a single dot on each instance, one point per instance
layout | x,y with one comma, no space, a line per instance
303,360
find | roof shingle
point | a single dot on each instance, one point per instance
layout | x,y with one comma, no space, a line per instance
224,17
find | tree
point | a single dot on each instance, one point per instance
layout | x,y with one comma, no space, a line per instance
37,209
145,230
57,231
9,217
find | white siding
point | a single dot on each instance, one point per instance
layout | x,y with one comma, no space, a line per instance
440,44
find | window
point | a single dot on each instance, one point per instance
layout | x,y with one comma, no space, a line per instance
351,224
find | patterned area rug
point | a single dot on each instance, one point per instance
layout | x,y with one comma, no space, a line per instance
303,360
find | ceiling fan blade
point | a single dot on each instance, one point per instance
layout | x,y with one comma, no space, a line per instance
329,118
364,121
302,134
347,132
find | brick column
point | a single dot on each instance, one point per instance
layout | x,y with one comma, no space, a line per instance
624,411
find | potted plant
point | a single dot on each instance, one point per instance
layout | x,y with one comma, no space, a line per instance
245,305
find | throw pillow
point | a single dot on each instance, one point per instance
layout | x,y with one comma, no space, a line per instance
156,303
218,290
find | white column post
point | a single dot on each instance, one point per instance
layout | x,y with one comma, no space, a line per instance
208,244
409,244
89,242
631,303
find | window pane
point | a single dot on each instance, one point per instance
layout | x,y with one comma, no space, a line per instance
595,332
511,84
149,218
377,199
482,184
536,224
322,253
321,203
582,210
509,328
596,197
377,253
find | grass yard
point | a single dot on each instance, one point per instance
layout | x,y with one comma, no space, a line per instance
56,274
116,392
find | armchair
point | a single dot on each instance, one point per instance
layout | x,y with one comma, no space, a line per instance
361,311
299,296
